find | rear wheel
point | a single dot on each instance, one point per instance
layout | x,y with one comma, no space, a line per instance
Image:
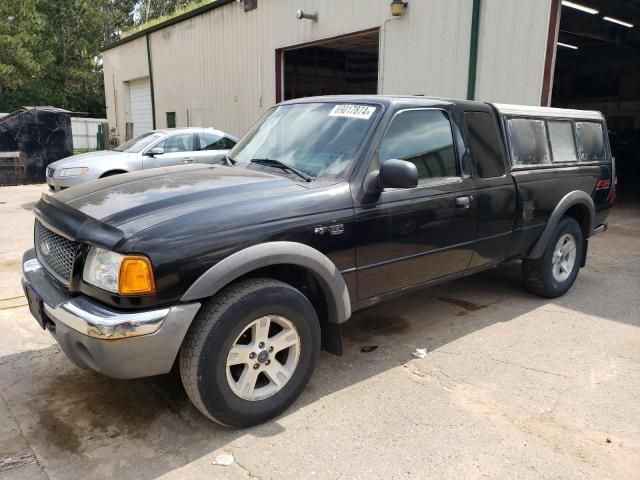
250,353
554,273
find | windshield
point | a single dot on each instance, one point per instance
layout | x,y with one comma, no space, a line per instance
139,143
320,139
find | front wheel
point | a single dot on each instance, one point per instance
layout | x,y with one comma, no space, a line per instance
250,353
554,273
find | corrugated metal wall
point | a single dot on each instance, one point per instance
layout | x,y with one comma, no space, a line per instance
512,50
218,69
122,65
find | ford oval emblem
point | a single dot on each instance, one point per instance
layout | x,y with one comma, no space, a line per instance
45,248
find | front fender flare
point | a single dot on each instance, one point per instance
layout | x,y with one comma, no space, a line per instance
577,197
277,253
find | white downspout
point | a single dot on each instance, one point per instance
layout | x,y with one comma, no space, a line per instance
381,56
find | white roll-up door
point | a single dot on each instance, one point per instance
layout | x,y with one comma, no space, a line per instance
140,106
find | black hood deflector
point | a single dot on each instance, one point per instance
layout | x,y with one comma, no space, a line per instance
75,225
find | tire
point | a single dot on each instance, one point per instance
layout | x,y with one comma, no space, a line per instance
216,388
548,279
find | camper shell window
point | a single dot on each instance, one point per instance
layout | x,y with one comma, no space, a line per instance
590,139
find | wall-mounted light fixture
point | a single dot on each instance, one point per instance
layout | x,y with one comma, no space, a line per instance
308,16
398,7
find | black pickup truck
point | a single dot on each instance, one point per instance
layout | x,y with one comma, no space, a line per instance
239,273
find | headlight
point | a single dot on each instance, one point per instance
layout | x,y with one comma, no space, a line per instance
73,172
117,273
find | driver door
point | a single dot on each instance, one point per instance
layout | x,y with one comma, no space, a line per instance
178,149
410,236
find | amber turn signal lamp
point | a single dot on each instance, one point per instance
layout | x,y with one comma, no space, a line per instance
136,276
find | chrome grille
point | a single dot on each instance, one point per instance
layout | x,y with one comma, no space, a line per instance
55,253
50,171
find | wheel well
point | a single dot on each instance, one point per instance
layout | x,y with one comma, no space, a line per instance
302,279
112,172
580,213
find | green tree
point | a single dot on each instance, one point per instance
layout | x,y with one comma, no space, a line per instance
50,51
19,30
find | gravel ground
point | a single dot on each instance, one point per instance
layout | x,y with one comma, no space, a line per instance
512,386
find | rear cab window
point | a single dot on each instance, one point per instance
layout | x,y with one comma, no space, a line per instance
485,144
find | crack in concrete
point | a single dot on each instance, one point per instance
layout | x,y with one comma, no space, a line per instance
528,368
248,472
35,458
505,362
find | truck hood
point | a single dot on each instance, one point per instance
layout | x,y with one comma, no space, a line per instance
136,201
87,159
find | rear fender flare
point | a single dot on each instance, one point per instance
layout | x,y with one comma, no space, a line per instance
277,253
576,197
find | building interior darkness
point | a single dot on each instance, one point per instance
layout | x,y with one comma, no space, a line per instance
598,67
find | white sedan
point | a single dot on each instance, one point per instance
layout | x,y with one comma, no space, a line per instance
157,148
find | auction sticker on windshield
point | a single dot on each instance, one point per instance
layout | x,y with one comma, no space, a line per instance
363,112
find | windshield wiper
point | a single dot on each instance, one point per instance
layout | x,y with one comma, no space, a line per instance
278,164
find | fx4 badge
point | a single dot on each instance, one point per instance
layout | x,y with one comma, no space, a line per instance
336,229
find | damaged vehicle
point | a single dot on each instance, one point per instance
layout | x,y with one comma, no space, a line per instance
239,274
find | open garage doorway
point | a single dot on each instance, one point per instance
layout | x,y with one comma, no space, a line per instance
342,65
598,67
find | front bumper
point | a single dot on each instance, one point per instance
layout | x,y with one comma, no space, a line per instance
115,343
58,183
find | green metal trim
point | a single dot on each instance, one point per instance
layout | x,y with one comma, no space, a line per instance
153,96
473,51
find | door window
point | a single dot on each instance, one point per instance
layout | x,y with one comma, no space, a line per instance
485,144
424,138
563,147
182,142
213,141
528,140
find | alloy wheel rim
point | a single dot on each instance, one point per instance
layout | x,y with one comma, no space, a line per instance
564,257
263,358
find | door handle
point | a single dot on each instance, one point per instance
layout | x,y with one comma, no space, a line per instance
463,202
187,160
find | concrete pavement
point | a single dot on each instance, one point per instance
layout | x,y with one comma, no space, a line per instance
513,386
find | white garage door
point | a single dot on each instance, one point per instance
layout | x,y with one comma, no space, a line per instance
140,106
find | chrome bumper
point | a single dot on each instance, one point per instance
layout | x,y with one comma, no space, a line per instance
116,343
88,318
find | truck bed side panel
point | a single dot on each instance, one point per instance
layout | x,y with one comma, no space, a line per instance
540,190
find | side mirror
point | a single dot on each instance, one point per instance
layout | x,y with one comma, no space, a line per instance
398,174
155,151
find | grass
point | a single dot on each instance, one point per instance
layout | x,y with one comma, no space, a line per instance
164,18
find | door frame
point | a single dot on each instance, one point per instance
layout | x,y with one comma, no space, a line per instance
280,55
